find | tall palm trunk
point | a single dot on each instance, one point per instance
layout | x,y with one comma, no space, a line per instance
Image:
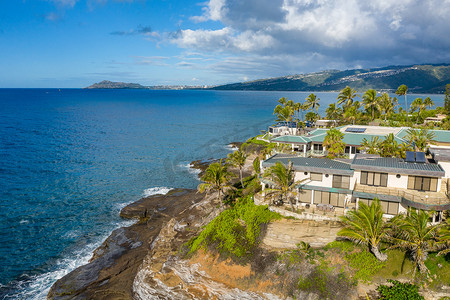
406,106
242,181
380,256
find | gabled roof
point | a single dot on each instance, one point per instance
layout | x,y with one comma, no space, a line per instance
291,139
310,164
441,136
397,165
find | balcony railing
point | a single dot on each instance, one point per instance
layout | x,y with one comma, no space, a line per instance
427,198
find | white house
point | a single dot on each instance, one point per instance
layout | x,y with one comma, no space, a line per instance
398,183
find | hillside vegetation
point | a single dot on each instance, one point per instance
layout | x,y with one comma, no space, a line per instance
419,79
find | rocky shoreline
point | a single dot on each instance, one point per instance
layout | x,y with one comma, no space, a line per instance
112,270
114,265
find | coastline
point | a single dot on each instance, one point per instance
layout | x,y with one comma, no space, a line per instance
112,269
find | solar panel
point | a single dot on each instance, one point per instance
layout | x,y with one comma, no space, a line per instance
355,130
420,157
410,157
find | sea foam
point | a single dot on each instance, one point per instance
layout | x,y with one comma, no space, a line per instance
36,287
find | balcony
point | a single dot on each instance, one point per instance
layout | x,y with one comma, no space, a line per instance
417,199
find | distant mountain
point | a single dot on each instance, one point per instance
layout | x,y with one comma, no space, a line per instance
418,78
105,84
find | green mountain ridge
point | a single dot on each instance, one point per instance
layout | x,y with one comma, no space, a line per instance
418,78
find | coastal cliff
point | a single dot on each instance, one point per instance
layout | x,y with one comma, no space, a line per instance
112,269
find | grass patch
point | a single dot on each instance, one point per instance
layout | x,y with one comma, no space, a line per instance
363,263
398,265
236,231
439,267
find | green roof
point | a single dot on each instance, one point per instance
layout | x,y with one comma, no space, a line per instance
291,139
355,139
442,136
310,164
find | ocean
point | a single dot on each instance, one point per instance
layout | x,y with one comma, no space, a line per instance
70,159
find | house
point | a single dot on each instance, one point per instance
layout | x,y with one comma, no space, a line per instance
438,118
398,183
311,145
325,123
283,128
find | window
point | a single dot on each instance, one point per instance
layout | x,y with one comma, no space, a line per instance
318,147
335,199
387,207
420,183
315,176
375,179
341,181
304,196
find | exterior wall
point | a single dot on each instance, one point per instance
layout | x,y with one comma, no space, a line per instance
400,183
326,182
446,166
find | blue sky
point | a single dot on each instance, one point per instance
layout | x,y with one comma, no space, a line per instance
74,43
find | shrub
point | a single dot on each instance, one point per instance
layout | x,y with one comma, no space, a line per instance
235,231
399,291
364,264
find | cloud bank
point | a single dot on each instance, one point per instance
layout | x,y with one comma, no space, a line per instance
269,37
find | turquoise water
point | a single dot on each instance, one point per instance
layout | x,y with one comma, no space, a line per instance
70,159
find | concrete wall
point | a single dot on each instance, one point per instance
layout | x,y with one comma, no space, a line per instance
446,166
326,181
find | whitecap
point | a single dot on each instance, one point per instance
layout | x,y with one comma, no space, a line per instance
188,166
231,147
156,191
36,287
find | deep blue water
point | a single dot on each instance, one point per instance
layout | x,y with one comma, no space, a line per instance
70,159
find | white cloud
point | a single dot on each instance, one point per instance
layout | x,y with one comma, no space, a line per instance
312,35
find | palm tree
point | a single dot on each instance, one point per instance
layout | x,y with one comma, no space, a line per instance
282,101
371,101
284,113
216,178
351,113
387,105
334,143
443,242
282,182
422,138
428,102
371,146
312,102
389,147
237,159
333,112
402,90
418,105
346,97
311,116
366,226
411,232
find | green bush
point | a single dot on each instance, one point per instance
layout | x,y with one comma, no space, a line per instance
399,291
236,230
365,265
326,281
